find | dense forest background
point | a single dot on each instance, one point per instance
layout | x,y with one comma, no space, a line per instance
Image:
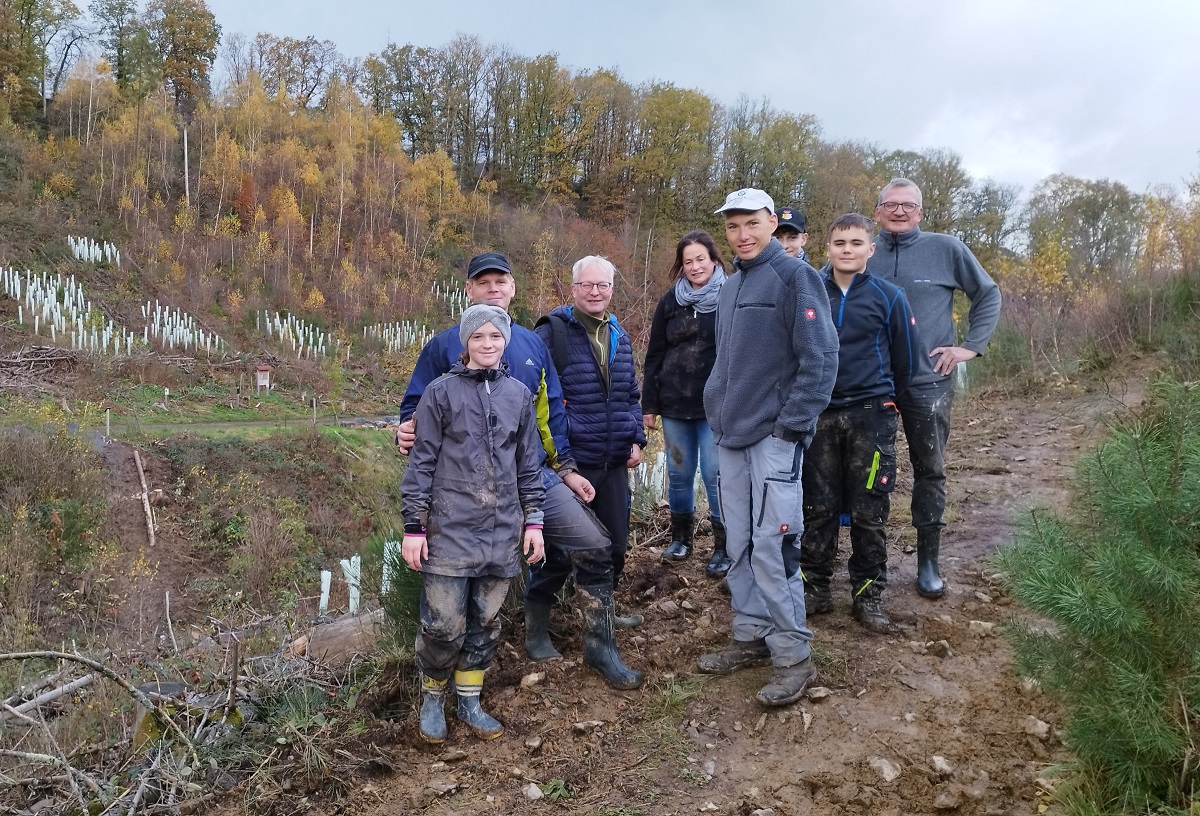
342,188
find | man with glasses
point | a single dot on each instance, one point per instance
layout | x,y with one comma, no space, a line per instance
594,359
931,267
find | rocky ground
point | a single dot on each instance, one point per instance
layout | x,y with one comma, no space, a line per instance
931,720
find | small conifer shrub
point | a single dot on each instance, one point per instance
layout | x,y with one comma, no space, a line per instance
1117,576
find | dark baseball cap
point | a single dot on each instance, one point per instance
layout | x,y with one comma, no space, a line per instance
791,218
488,262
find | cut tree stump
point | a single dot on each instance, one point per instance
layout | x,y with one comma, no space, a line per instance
337,643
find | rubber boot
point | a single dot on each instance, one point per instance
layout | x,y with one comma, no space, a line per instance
929,580
720,562
467,686
680,548
433,716
868,610
600,642
537,632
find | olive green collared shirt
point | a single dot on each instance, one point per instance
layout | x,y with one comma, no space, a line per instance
597,329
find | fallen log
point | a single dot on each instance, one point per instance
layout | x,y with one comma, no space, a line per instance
337,643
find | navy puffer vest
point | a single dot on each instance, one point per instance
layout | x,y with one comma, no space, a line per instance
604,424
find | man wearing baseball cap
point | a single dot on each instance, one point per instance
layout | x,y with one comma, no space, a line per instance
792,232
777,356
572,534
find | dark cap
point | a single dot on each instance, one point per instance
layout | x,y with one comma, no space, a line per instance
488,262
791,219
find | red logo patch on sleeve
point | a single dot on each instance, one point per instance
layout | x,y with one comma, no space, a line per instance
783,528
810,314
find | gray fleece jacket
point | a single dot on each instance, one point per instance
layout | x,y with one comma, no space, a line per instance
777,352
929,267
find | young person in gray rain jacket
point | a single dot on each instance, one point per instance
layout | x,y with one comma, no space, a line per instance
681,354
472,489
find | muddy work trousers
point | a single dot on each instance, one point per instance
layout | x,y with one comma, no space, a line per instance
850,467
760,493
460,624
576,545
925,412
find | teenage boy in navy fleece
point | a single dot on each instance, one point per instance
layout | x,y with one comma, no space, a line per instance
852,460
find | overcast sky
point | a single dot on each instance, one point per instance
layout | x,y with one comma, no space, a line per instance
1019,88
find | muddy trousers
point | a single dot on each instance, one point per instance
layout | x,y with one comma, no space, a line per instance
690,442
760,495
851,463
925,412
576,545
460,624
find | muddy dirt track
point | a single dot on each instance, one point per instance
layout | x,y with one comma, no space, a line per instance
942,687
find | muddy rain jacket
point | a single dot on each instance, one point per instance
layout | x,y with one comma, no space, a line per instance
473,479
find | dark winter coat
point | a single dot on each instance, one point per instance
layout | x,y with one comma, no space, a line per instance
604,423
473,479
683,348
877,335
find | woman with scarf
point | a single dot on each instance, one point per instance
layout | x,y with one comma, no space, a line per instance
680,357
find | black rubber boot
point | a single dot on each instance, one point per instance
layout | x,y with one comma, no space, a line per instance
929,580
537,632
600,641
680,548
720,562
433,716
468,685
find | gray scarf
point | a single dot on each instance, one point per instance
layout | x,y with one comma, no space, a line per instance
704,299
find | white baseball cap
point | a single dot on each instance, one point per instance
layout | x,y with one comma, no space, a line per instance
748,199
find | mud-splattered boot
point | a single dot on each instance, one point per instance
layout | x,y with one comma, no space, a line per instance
929,579
682,528
537,632
787,684
720,562
868,610
738,655
467,686
600,642
433,715
818,600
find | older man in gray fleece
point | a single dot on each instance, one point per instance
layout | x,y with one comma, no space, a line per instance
777,359
930,268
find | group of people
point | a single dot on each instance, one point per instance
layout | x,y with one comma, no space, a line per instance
521,441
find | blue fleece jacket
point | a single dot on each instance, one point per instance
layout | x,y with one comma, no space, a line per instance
877,338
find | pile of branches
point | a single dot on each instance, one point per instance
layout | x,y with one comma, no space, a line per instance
275,726
29,368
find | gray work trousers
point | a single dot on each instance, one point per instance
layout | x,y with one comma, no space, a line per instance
762,506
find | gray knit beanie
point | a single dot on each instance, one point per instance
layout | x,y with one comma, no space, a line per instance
479,314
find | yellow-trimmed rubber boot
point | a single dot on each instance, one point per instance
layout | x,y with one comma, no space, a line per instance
468,685
433,716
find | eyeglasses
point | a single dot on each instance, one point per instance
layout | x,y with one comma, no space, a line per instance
594,287
906,206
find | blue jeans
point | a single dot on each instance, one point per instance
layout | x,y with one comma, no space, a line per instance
688,440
